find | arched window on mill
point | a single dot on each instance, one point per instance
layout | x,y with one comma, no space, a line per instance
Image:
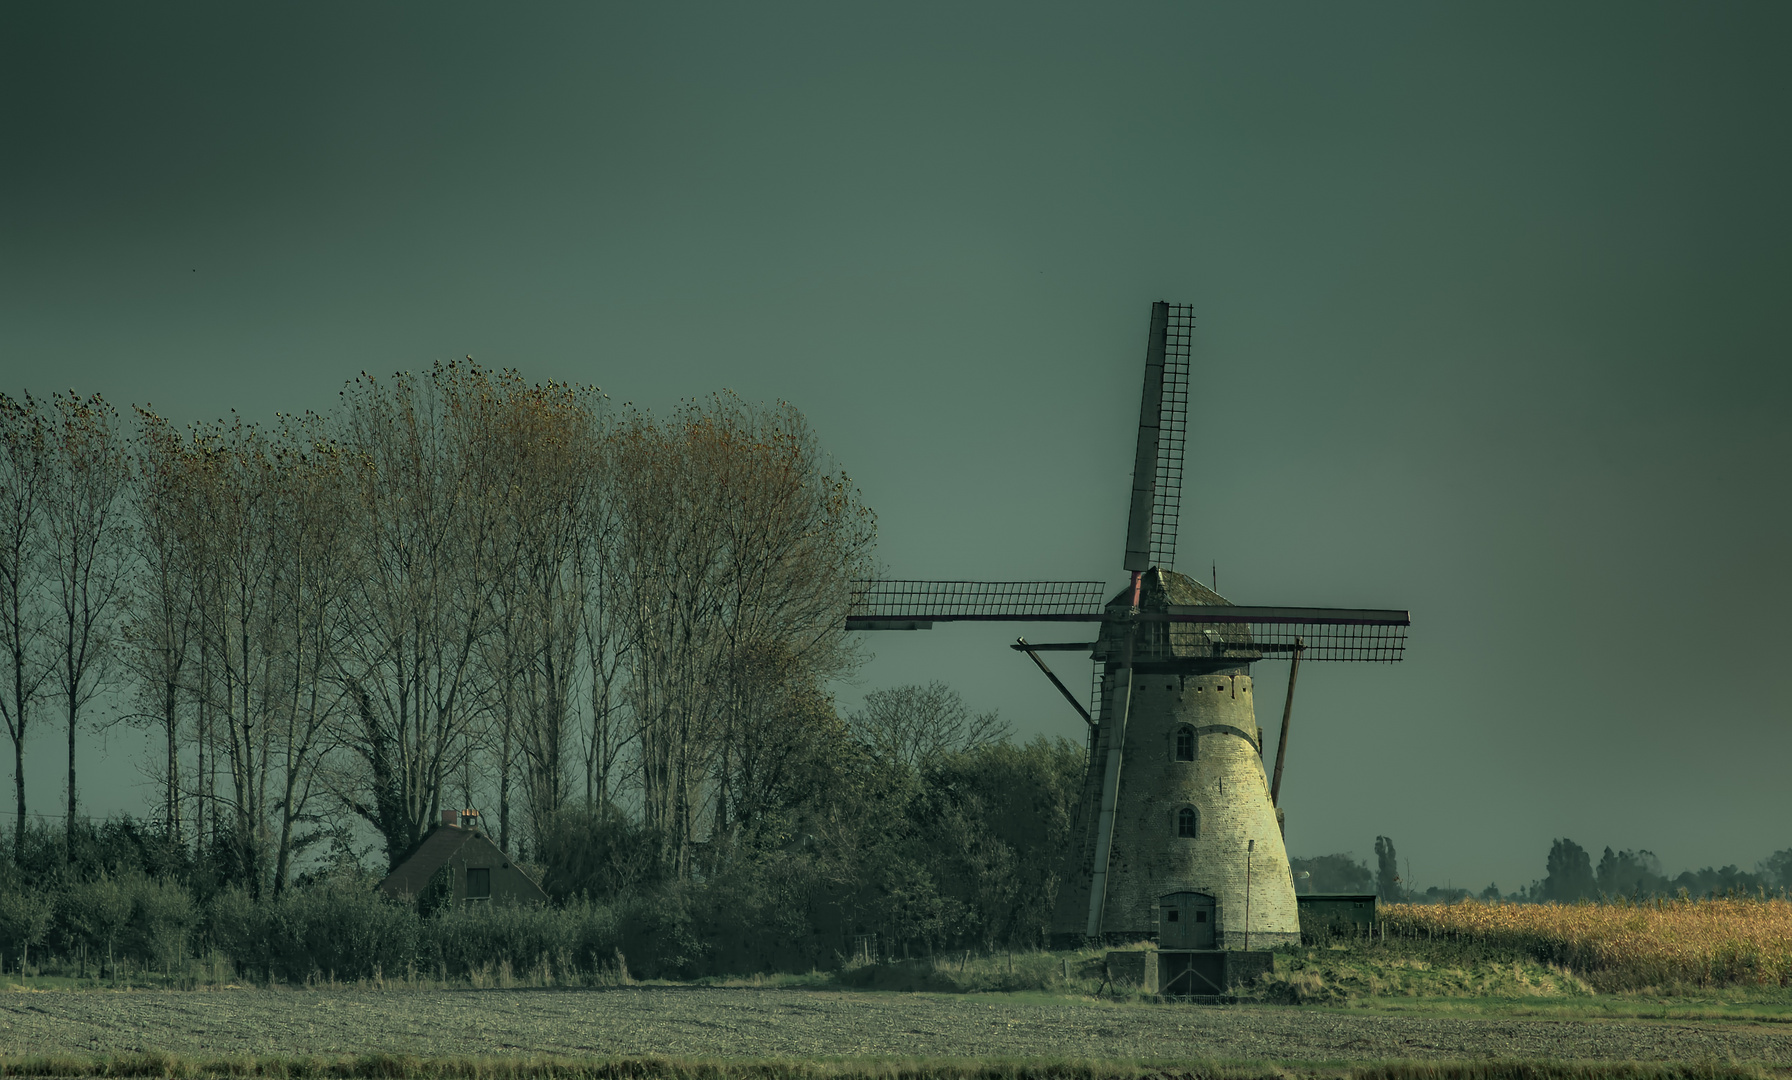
1185,743
1186,825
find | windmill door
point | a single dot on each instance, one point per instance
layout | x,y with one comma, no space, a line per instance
1185,921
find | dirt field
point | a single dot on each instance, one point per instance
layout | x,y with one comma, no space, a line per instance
738,1023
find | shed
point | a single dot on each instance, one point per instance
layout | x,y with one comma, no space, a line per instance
482,872
1324,915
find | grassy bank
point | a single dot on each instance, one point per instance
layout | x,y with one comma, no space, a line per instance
1539,960
1399,975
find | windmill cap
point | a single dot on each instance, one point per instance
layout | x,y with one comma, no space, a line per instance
1161,589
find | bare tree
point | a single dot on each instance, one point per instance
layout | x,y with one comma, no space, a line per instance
917,725
668,558
421,475
24,568
604,632
556,432
244,542
241,672
90,550
312,594
543,443
736,551
164,619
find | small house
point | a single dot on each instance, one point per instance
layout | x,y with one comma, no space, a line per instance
481,872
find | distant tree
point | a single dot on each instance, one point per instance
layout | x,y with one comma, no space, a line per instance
917,725
1570,875
1776,869
990,822
1491,892
1340,873
1387,871
1630,873
1722,881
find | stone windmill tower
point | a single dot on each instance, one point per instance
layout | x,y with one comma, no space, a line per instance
1178,833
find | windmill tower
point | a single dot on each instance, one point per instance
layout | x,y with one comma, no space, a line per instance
1178,834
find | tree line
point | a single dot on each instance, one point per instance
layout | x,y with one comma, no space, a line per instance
906,828
456,589
612,633
1570,876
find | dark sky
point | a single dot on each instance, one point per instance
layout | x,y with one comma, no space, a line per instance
1492,305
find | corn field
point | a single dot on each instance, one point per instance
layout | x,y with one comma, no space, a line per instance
1653,944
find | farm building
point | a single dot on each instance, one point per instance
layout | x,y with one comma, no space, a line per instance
1326,915
482,873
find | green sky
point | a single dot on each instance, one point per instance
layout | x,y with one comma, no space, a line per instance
1492,305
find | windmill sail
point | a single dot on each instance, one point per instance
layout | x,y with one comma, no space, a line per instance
1163,437
1221,631
1172,435
917,605
1144,460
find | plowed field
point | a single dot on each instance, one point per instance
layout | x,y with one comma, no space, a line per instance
737,1023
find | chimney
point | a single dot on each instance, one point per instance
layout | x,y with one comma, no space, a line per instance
451,817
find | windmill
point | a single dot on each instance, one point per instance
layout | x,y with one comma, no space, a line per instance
1178,834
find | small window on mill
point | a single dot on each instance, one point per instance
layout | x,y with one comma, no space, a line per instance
479,883
1185,743
1185,822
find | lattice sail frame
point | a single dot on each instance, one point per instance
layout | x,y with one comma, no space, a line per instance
951,601
1252,633
1172,437
1182,631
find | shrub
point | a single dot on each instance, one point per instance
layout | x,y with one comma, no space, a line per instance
335,928
163,916
25,920
94,914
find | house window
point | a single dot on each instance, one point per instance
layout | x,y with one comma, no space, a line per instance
1185,743
479,883
1185,822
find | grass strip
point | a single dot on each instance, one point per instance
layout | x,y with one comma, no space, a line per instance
155,1066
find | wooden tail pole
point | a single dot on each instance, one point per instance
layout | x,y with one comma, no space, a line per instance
1275,787
1113,726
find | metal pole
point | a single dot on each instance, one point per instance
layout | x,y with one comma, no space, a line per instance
1275,787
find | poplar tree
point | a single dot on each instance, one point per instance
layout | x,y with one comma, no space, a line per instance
24,577
90,554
